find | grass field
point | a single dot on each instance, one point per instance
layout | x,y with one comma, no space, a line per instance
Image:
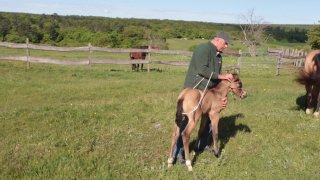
106,122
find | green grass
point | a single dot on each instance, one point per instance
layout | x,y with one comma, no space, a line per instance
106,122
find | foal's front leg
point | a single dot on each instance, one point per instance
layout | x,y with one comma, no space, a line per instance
214,117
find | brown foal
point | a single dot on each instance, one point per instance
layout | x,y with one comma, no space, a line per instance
193,103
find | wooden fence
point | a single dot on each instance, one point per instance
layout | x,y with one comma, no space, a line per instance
288,58
285,58
90,49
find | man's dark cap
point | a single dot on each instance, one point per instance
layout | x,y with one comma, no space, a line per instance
224,36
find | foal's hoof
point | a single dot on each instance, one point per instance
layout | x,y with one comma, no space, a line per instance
216,153
316,114
188,163
170,162
308,111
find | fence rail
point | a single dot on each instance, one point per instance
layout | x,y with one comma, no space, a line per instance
293,57
283,56
90,49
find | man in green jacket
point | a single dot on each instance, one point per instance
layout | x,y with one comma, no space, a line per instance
207,59
205,66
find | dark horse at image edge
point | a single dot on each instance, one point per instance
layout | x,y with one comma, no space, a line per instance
310,77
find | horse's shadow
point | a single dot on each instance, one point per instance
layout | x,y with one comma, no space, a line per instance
227,130
301,102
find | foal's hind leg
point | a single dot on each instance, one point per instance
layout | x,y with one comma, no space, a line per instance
186,140
175,136
214,117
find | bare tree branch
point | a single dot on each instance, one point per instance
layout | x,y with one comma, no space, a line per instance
253,31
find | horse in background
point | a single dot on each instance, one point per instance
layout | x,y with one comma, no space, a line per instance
310,77
138,55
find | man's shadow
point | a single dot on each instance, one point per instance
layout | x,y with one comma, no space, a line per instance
227,129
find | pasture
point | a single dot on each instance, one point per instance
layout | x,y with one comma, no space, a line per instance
106,122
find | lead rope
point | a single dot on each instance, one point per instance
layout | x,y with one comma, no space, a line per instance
204,91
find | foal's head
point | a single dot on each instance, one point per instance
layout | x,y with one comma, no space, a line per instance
236,87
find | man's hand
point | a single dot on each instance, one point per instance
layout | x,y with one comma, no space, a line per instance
224,102
227,76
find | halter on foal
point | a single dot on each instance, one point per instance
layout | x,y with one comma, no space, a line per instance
310,77
210,106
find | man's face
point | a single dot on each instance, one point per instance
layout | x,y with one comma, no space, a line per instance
221,44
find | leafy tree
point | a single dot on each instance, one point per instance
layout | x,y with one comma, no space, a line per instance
52,30
155,40
314,37
112,40
121,32
75,37
133,36
15,37
287,33
4,27
35,35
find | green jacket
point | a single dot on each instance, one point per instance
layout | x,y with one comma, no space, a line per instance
205,60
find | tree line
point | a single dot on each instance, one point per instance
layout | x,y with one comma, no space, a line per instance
123,32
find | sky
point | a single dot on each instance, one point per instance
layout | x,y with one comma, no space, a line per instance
223,11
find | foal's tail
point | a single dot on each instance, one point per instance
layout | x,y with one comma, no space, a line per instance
179,115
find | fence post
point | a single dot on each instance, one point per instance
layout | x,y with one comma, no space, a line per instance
28,53
239,60
149,58
278,65
90,52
